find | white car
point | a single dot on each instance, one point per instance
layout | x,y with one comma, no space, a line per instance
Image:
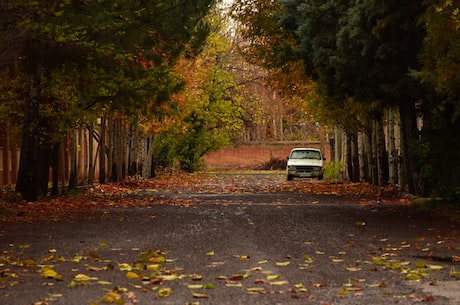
305,163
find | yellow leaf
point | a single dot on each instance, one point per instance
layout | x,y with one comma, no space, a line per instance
158,259
125,267
164,292
113,298
211,253
197,277
82,277
435,267
273,277
104,283
262,262
170,277
283,263
49,273
233,284
200,295
279,283
153,267
195,286
353,269
412,277
132,275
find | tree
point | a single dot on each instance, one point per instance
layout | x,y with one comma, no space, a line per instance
210,105
126,40
440,56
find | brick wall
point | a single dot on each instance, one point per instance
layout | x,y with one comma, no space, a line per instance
247,156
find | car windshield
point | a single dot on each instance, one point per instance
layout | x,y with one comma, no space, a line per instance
306,154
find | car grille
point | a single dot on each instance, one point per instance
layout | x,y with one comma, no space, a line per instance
305,169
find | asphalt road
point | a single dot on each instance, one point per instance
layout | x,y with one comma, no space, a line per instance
282,248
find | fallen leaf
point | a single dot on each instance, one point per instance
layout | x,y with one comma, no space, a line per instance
49,273
125,267
353,269
132,275
199,295
255,290
435,267
279,283
164,292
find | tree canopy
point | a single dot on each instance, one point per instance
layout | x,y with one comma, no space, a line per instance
378,54
110,54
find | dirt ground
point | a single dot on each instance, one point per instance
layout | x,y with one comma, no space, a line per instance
213,238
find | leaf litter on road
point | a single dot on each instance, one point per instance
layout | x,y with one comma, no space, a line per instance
151,271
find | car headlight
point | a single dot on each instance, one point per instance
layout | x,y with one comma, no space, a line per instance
317,168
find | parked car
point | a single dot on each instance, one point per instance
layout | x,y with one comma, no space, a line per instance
305,163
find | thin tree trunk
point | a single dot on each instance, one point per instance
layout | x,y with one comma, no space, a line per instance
55,168
103,150
110,152
382,156
346,168
73,160
147,164
361,154
374,151
84,139
63,164
354,158
337,149
91,157
132,156
392,152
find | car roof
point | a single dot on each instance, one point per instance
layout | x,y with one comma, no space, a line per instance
304,148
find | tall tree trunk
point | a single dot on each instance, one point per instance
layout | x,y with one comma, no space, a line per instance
361,157
132,156
124,149
110,144
409,134
28,174
102,149
73,160
115,150
374,153
338,150
62,155
382,156
354,158
392,152
346,168
148,152
91,157
55,168
44,157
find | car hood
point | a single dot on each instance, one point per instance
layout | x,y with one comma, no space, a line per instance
305,162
